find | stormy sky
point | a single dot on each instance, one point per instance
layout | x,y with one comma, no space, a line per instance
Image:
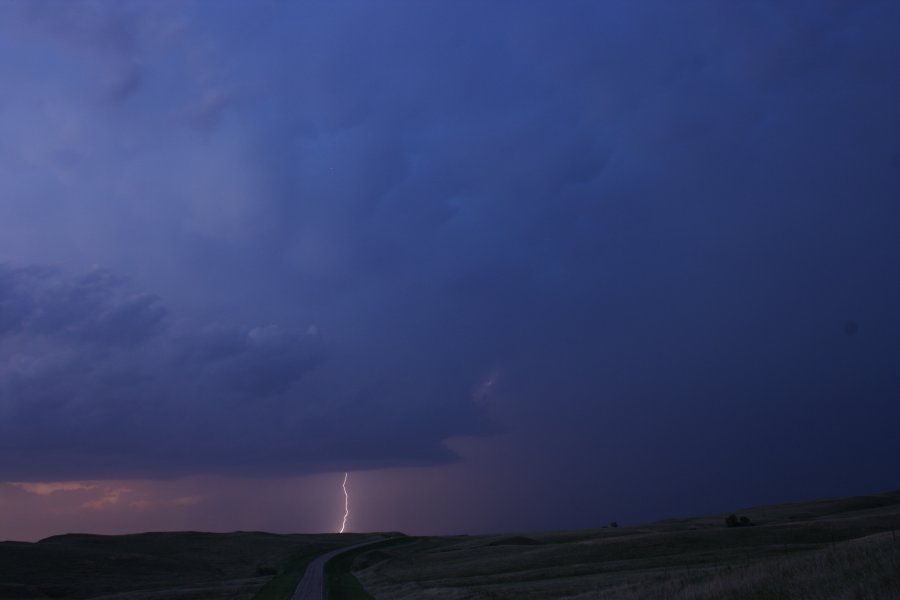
514,265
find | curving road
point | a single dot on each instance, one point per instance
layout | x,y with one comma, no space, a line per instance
312,586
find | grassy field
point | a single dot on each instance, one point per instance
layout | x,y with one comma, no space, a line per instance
827,550
156,566
340,583
282,585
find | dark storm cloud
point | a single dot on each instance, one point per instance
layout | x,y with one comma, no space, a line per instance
644,219
107,32
99,381
96,381
92,308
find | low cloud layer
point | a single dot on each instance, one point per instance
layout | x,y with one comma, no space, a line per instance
99,381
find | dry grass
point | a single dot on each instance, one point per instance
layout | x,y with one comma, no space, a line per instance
864,569
829,550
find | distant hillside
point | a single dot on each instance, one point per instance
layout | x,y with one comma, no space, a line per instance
182,566
821,550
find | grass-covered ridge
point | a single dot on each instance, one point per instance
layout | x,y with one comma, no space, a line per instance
283,584
340,583
825,550
157,566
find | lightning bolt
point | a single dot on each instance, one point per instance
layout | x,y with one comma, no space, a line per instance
346,503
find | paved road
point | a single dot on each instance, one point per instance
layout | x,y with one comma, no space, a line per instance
312,586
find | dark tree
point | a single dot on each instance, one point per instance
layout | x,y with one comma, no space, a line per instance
733,520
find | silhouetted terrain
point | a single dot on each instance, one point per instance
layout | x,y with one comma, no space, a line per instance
178,565
822,550
825,550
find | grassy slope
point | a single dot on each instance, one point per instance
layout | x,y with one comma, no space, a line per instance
826,550
150,566
283,585
340,583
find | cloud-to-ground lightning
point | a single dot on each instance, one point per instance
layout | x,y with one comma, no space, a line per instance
346,503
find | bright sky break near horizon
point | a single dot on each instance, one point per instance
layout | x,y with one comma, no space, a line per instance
513,265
